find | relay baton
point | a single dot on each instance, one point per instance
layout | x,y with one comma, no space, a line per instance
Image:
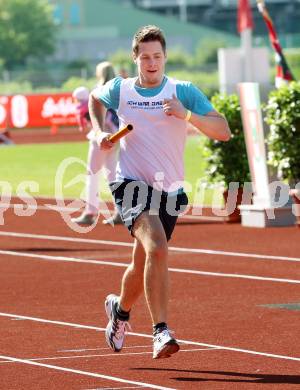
121,133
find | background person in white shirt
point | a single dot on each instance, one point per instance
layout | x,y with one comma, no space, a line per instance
99,159
159,108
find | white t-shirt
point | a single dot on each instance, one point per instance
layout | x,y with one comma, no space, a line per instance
153,151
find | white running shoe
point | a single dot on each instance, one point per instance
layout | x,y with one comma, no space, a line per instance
115,330
164,345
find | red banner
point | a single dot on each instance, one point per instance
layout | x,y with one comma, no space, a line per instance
4,112
244,19
20,111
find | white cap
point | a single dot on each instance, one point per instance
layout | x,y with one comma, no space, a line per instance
81,93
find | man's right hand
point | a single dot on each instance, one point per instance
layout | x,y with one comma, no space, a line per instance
103,140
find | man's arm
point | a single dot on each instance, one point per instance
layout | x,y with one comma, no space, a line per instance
97,112
213,124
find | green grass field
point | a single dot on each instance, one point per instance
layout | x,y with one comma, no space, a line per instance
40,163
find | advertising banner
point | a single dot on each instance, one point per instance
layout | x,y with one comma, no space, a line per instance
4,112
46,110
271,205
255,143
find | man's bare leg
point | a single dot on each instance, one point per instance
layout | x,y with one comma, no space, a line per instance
149,264
132,282
149,231
117,308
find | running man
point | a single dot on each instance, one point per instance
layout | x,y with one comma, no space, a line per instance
148,185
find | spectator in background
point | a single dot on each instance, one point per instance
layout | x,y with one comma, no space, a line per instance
97,159
81,98
123,72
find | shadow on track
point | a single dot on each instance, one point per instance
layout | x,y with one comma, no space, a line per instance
243,377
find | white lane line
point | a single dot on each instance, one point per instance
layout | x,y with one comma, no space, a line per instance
101,349
187,342
114,388
117,264
40,207
236,276
171,248
62,323
63,258
125,354
64,238
86,373
59,209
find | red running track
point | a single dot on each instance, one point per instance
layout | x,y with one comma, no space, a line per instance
54,282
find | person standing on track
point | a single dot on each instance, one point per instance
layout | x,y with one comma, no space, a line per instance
97,159
148,185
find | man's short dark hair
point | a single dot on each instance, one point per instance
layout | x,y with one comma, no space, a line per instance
149,33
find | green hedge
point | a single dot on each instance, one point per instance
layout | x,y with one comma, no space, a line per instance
282,114
227,161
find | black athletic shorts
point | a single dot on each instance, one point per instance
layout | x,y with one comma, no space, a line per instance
132,197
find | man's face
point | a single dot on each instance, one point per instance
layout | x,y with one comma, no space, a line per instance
150,62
